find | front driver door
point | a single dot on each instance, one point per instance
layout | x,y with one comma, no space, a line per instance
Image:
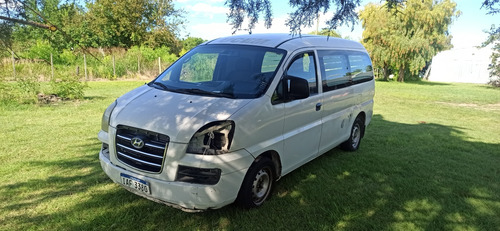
302,122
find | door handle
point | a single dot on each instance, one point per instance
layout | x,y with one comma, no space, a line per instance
318,106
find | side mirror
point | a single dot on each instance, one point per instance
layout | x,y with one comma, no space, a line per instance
295,88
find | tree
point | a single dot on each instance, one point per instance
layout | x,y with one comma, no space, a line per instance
5,36
8,9
190,43
494,38
102,23
32,21
405,38
376,36
306,12
128,23
492,6
66,17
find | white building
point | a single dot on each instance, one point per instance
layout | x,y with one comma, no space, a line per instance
464,65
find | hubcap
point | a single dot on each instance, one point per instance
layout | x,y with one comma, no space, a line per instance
356,135
261,186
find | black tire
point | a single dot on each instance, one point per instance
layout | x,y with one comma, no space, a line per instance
357,130
258,184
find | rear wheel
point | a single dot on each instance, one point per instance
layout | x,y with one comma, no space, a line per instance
352,144
257,184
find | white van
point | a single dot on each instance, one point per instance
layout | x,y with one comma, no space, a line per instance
235,114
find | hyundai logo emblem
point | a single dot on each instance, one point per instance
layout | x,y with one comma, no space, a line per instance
137,142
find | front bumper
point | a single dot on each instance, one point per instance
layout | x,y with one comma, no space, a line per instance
186,196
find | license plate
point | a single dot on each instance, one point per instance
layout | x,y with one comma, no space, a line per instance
135,183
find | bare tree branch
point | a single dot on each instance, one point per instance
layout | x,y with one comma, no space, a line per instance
49,27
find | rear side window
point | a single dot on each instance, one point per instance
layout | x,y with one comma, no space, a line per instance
341,69
361,67
335,70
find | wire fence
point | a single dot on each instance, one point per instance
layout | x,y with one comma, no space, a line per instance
133,63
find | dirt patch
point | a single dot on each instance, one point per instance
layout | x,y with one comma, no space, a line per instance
48,99
483,107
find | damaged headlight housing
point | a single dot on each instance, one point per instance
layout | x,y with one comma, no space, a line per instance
212,139
106,116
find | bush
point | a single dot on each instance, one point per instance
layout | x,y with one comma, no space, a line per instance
68,88
28,87
67,57
6,92
24,91
42,50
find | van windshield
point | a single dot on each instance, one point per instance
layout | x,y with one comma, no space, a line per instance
232,71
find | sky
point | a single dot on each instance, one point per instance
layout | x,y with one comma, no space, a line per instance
207,19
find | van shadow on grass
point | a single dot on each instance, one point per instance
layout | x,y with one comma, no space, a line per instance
405,176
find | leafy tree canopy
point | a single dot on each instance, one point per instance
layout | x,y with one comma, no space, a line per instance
190,43
492,5
97,23
407,37
134,22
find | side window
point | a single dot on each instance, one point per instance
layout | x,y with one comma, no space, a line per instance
361,67
302,66
334,69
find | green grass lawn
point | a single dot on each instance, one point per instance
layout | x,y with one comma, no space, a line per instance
430,160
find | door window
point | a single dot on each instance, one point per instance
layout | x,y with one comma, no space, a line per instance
302,66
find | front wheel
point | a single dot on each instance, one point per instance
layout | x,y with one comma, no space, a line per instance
352,144
257,184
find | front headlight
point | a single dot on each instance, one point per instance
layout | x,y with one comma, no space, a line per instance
212,139
106,116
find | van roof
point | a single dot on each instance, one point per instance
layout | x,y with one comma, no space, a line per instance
287,41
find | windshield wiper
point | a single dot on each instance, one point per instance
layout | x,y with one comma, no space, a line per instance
209,93
193,91
163,86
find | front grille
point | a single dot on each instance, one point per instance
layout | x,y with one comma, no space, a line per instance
149,157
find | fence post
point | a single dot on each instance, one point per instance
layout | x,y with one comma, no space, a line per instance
13,65
85,66
51,68
138,65
114,69
159,65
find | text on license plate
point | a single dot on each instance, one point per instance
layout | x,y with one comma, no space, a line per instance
135,183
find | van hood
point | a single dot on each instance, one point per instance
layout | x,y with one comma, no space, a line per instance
174,114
